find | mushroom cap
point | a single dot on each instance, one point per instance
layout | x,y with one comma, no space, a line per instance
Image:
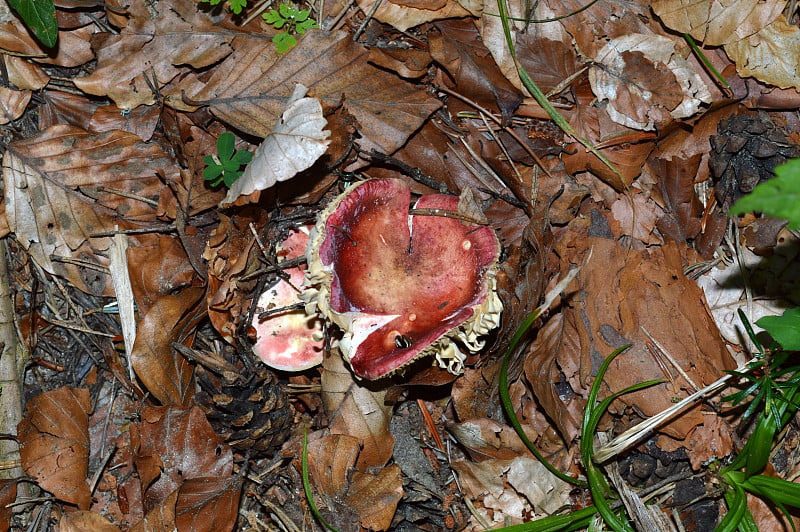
290,340
402,285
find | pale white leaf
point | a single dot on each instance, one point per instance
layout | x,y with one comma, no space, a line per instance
295,143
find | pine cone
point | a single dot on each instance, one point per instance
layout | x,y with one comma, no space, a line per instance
746,150
249,408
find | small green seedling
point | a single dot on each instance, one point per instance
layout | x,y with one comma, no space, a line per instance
226,166
292,21
235,6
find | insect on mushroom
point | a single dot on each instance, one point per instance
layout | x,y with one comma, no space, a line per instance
418,283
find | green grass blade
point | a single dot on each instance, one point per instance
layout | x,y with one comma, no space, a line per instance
307,486
703,59
542,100
576,520
508,407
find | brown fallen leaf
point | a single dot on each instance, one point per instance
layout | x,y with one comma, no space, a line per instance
166,374
717,22
369,498
8,494
771,55
148,49
174,446
81,521
386,108
620,294
54,439
208,504
12,104
403,14
358,411
65,184
459,49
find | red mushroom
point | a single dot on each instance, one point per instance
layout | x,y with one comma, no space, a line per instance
289,340
402,285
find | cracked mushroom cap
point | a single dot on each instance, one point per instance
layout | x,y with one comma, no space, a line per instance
402,285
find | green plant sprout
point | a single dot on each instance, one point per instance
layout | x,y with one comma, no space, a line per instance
236,6
292,21
226,166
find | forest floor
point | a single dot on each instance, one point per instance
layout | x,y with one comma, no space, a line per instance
165,161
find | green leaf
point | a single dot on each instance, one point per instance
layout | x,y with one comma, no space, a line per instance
237,6
286,10
778,197
230,177
226,143
306,25
242,157
271,17
212,172
39,16
785,328
284,42
301,15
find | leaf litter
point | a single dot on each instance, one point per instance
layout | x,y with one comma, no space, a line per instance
177,424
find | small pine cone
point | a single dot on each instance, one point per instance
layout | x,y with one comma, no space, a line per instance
745,151
249,410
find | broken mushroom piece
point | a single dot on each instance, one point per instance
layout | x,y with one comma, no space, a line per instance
289,340
402,285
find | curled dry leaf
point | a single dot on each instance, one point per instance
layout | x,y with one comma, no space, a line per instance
646,82
294,144
717,22
54,439
772,55
65,184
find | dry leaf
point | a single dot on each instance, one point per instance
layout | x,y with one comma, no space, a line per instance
646,82
386,108
209,504
24,74
81,521
717,22
54,439
153,50
12,104
404,14
370,498
459,49
174,445
772,55
357,411
56,197
294,144
166,374
8,494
